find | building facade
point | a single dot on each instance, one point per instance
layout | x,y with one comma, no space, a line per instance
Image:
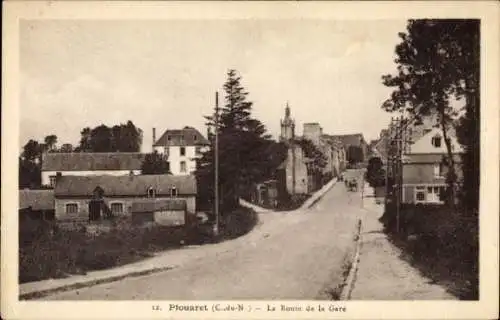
83,198
89,164
292,174
181,149
424,173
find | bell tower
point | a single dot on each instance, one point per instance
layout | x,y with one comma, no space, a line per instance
287,126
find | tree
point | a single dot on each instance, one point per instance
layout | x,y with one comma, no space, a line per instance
66,148
32,151
375,173
118,138
243,146
319,160
154,163
436,61
50,142
30,164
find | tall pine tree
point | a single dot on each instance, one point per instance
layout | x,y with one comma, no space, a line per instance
243,148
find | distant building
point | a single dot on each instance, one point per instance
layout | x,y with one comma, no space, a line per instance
356,140
83,198
181,148
292,173
89,164
331,147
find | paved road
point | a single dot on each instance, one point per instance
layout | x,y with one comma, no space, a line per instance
295,256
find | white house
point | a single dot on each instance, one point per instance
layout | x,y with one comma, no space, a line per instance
181,148
89,164
424,174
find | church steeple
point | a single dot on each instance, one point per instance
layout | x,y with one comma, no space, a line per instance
287,126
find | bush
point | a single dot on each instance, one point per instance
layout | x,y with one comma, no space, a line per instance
47,254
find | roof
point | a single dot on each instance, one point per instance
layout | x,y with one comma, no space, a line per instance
151,205
133,185
92,161
188,136
335,141
351,139
36,199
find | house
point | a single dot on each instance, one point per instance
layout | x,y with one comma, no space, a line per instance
292,174
83,198
181,148
89,164
424,174
331,147
356,140
36,204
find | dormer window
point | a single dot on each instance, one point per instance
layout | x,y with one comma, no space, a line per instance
173,192
151,192
436,141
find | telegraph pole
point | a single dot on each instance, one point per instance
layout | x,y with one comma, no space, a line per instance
216,164
388,160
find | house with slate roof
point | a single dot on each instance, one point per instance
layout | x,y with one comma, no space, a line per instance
424,172
84,198
89,164
181,147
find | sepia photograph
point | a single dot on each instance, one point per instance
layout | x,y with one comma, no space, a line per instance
249,159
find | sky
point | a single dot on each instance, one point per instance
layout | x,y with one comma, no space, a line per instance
164,74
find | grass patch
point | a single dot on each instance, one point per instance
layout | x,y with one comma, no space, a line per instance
444,246
46,251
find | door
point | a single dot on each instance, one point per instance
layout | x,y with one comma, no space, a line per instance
95,209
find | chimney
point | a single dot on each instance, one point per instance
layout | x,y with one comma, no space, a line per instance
154,135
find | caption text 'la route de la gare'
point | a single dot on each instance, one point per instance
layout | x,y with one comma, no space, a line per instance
239,307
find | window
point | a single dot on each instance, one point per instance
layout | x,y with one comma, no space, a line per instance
173,191
183,151
169,138
71,208
438,170
436,141
434,194
151,192
195,137
420,194
52,181
183,166
117,207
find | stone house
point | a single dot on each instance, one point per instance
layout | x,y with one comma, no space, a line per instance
181,148
87,198
331,147
89,164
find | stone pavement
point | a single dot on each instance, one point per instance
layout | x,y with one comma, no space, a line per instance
382,274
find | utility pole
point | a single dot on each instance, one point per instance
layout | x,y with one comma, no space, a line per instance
399,172
388,161
216,164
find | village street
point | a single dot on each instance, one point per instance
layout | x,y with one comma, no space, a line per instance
296,255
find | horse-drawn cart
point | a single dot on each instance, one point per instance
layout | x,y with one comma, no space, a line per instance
352,185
